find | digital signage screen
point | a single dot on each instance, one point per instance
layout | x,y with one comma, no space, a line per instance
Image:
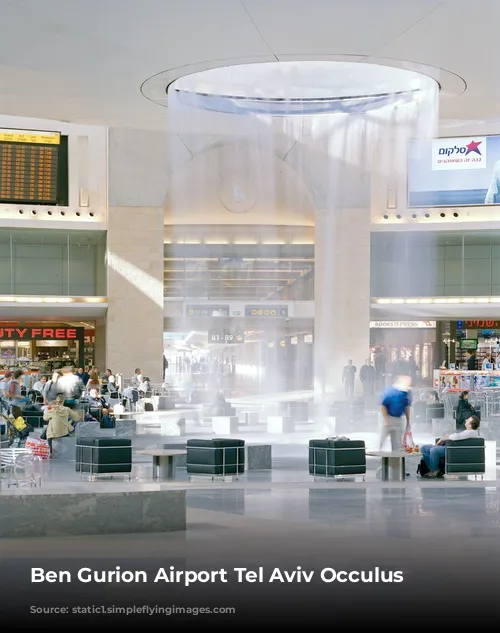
468,344
454,172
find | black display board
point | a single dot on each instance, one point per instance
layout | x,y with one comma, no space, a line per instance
29,166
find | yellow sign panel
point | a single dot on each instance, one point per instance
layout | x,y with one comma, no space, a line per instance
30,136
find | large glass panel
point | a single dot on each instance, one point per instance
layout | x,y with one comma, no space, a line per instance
477,263
40,262
435,263
246,278
86,263
52,262
5,263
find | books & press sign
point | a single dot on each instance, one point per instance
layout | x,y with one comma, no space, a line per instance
402,324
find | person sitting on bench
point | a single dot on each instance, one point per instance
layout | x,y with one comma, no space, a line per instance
432,453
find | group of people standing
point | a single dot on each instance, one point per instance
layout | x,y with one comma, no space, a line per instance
372,375
368,376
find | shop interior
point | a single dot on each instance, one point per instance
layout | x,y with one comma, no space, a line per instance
41,347
413,346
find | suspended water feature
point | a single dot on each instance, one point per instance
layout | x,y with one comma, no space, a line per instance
263,153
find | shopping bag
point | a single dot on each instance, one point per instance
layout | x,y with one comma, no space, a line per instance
408,441
38,447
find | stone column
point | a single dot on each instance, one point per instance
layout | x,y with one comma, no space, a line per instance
134,329
342,297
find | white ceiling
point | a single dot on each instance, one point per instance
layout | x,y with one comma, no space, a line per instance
84,62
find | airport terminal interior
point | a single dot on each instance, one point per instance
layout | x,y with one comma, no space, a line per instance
249,268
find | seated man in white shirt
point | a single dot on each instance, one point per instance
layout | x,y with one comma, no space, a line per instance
432,453
40,384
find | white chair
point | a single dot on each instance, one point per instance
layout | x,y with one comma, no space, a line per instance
21,467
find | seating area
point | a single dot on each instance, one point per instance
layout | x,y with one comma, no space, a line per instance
231,446
215,458
465,457
337,458
103,456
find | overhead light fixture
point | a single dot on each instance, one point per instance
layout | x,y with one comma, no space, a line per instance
439,301
397,300
483,300
411,300
467,300
383,301
452,300
425,300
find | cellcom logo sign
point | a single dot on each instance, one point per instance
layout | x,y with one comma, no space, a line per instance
459,153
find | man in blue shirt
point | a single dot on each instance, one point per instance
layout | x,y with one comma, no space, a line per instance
396,404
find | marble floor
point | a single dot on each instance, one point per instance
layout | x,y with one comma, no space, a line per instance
279,518
289,457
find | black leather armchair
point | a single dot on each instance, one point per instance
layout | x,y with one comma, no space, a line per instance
331,458
103,456
465,457
215,457
434,411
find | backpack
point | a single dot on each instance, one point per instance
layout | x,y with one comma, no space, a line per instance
422,468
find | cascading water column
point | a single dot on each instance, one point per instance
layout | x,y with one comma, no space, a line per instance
279,144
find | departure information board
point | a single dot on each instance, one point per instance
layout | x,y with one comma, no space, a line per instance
29,166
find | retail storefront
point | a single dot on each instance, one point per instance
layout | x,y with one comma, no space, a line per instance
392,341
41,348
480,336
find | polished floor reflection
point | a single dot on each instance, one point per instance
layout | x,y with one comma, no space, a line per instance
399,512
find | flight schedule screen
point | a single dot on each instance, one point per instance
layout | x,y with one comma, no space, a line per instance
29,163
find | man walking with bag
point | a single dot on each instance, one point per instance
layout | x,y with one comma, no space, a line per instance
396,404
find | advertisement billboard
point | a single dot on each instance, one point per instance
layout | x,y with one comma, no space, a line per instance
454,172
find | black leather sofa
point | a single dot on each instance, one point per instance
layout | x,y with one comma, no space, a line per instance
218,457
103,455
464,457
337,458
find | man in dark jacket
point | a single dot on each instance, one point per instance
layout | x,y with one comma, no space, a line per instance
367,377
348,376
